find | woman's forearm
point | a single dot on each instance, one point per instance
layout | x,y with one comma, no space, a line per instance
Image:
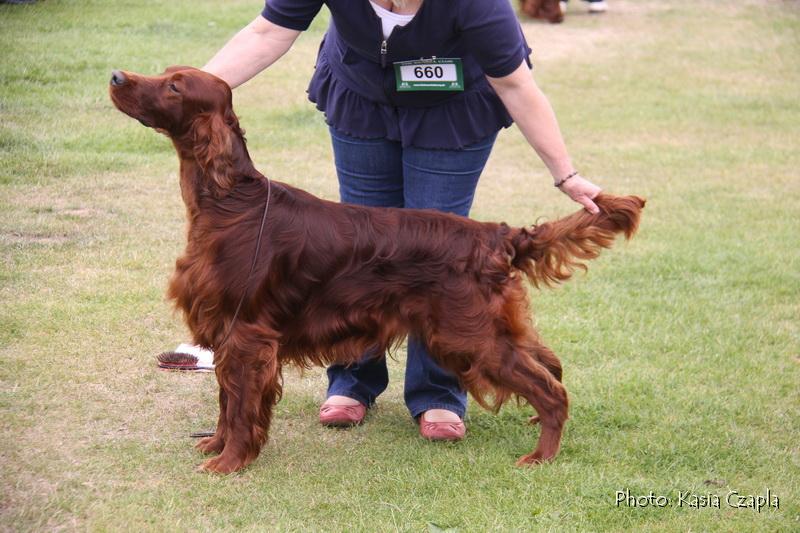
254,48
535,118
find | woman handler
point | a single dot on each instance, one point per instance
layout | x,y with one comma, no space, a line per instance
414,94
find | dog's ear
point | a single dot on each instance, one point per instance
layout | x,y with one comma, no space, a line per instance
213,138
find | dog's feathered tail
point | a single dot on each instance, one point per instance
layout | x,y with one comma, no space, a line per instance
549,253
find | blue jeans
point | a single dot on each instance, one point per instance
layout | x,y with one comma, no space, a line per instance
378,172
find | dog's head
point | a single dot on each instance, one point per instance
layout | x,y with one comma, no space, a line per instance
194,108
549,10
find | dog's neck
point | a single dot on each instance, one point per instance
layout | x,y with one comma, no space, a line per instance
191,180
195,181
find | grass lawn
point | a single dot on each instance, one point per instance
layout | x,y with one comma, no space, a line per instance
681,349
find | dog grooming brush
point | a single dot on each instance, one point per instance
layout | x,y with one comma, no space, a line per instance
187,357
177,361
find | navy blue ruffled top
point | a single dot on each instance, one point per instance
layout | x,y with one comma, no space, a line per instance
354,80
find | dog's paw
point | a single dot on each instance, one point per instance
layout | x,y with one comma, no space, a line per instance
208,445
222,465
532,459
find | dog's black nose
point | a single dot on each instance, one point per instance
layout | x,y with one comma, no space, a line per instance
118,78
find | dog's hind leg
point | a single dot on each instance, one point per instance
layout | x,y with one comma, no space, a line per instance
525,370
552,408
545,355
551,362
250,380
496,350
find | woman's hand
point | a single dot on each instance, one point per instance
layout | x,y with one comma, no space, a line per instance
582,191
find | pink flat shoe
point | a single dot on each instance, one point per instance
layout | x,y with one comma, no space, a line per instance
441,430
342,415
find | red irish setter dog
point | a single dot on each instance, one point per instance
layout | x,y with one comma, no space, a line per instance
549,10
329,282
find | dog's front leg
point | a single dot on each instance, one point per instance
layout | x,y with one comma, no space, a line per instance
250,387
216,442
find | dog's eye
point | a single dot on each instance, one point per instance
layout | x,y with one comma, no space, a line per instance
173,88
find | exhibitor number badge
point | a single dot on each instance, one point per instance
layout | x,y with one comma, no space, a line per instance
435,74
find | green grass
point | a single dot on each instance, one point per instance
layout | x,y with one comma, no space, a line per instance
681,349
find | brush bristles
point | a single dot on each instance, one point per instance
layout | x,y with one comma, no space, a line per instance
177,360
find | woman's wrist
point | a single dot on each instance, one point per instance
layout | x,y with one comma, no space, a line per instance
559,182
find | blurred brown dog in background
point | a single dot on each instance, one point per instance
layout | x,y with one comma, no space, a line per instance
549,10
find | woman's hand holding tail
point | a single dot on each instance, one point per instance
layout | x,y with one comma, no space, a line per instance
582,191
